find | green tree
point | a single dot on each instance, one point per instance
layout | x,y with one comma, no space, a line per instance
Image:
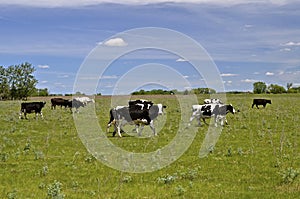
259,87
289,85
21,80
4,86
203,91
40,92
276,89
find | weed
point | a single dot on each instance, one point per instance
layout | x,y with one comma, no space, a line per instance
229,152
54,190
289,175
38,155
89,158
240,151
167,179
191,174
12,194
27,146
4,156
127,179
180,190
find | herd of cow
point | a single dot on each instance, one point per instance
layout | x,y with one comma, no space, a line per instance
36,107
142,112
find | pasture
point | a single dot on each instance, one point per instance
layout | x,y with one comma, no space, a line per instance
257,155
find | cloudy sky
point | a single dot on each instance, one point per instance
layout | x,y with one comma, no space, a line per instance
247,40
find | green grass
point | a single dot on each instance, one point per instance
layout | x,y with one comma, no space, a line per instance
257,155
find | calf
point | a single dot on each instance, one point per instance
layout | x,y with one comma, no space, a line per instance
31,107
263,102
218,111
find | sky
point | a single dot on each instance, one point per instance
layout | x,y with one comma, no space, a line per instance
247,41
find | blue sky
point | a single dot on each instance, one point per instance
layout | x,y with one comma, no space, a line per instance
248,40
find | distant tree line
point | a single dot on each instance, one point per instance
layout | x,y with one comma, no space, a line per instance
18,82
175,92
261,87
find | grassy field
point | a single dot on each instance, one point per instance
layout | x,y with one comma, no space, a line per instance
257,155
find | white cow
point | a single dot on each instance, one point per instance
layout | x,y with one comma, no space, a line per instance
85,100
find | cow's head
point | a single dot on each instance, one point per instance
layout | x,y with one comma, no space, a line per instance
230,109
161,109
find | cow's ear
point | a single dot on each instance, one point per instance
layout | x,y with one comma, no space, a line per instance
164,106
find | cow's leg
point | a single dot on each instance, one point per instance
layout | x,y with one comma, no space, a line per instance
119,130
257,106
153,128
204,121
141,130
115,130
42,116
137,130
226,121
197,116
25,114
20,114
199,120
222,119
191,119
253,105
216,121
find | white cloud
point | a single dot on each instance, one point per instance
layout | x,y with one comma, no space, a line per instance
115,42
44,82
285,49
78,3
63,76
181,60
291,43
269,74
43,66
248,26
228,75
109,77
249,80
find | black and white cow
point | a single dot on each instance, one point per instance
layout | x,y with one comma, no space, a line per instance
135,114
263,102
218,111
213,101
31,107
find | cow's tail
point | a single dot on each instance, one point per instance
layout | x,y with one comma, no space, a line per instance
111,120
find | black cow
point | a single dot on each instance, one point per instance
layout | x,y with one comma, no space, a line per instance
59,102
134,114
263,102
31,107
